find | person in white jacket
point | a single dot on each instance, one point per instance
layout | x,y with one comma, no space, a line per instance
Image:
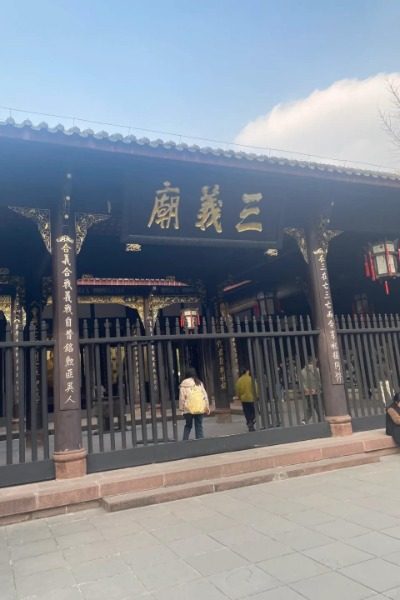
193,402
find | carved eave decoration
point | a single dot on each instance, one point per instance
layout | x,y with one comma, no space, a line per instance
41,216
83,222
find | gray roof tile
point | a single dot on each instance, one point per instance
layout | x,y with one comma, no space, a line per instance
217,152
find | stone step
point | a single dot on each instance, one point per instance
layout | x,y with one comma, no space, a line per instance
199,488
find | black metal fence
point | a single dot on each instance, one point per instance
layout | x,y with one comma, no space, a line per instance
370,347
131,379
25,397
131,376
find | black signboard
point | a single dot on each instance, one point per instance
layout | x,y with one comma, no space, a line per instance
180,203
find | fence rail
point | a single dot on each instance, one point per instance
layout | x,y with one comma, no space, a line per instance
25,395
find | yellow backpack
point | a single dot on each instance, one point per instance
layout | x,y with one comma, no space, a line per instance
195,401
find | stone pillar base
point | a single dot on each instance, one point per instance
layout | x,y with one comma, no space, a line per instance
223,415
340,426
70,464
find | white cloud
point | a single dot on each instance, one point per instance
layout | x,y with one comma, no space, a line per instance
342,121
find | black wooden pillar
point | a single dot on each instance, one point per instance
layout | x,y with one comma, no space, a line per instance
69,456
317,238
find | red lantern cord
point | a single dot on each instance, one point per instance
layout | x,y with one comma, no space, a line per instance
387,290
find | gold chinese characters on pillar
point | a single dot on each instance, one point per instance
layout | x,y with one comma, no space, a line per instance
333,346
69,368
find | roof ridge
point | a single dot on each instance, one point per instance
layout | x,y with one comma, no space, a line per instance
218,152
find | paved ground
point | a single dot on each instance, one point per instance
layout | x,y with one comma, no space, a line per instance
334,536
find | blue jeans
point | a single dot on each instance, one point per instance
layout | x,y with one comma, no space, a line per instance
198,426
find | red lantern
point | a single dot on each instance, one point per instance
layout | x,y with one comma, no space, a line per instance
189,319
381,262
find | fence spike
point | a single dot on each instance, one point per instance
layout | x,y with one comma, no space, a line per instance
107,328
117,328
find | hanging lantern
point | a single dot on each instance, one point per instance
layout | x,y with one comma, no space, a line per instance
381,262
189,318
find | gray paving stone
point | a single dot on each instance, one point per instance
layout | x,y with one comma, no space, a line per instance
78,526
216,561
9,593
99,569
376,573
140,558
166,575
33,549
280,593
393,558
58,594
392,532
302,538
44,582
120,587
142,539
24,533
261,549
79,539
331,586
274,526
214,523
4,555
376,543
192,511
309,517
171,533
372,519
238,535
340,529
337,555
6,574
195,590
198,544
292,567
190,548
244,582
112,532
282,508
87,552
40,563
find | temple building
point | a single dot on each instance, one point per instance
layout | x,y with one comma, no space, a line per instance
125,261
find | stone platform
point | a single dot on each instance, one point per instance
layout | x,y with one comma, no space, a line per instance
156,483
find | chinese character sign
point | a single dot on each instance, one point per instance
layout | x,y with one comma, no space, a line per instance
204,208
333,346
165,213
68,362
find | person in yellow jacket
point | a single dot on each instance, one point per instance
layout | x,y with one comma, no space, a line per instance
245,392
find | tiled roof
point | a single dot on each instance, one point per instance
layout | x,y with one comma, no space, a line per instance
239,157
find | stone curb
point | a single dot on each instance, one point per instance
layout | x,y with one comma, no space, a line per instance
60,496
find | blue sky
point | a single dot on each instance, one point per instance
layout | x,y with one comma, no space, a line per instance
203,68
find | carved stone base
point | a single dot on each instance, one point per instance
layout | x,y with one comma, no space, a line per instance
70,464
340,426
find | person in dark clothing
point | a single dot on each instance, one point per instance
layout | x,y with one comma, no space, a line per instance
245,391
393,419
